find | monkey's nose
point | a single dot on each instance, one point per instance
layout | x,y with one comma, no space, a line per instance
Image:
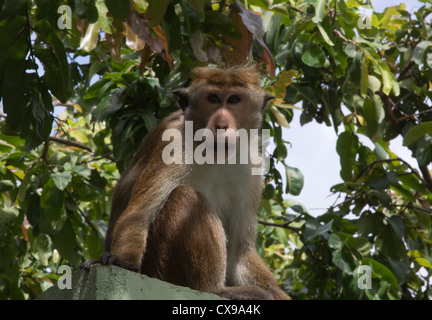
221,124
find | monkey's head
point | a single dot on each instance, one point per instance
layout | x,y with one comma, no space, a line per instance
224,101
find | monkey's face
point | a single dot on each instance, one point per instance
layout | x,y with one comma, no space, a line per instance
224,103
224,110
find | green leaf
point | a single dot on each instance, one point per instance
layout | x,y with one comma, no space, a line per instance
420,50
198,5
119,8
381,271
334,241
315,229
313,56
280,151
400,270
364,79
417,132
371,117
94,245
294,180
344,260
90,39
325,35
52,202
380,151
373,83
424,262
140,5
156,12
11,7
280,117
149,119
319,11
388,79
283,81
54,60
346,148
104,20
350,50
6,185
360,244
269,191
62,179
8,214
172,29
398,226
82,171
109,105
65,242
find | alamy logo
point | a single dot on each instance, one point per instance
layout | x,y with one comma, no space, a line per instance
364,280
221,149
65,20
365,19
65,281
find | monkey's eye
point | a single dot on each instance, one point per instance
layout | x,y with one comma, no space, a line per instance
234,99
213,98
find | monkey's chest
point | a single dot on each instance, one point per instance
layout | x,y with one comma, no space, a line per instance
231,191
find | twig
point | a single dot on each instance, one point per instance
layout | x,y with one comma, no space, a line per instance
388,108
412,207
279,225
427,178
71,197
405,70
70,143
296,230
73,144
391,160
339,35
106,155
57,103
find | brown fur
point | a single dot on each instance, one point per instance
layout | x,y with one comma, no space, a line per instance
195,225
235,76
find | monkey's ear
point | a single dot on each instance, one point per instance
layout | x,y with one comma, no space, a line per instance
267,97
181,95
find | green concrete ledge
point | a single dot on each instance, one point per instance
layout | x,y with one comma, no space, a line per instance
114,283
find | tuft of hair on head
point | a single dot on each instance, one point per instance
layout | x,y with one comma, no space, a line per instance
243,75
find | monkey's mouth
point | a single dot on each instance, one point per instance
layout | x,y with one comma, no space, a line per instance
223,146
226,149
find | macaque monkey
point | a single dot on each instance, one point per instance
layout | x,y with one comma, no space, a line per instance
194,224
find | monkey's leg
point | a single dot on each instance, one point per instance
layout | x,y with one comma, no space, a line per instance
187,246
256,273
110,259
130,234
186,243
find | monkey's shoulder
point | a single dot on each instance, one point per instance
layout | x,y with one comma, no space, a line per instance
174,120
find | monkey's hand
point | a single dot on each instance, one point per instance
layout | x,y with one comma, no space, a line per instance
110,259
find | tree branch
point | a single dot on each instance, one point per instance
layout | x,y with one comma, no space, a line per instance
388,108
391,160
404,72
427,178
340,36
279,225
73,144
69,143
57,103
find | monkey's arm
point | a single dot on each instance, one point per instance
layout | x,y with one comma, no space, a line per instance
108,258
258,274
139,197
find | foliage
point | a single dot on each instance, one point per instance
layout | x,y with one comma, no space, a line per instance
77,102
